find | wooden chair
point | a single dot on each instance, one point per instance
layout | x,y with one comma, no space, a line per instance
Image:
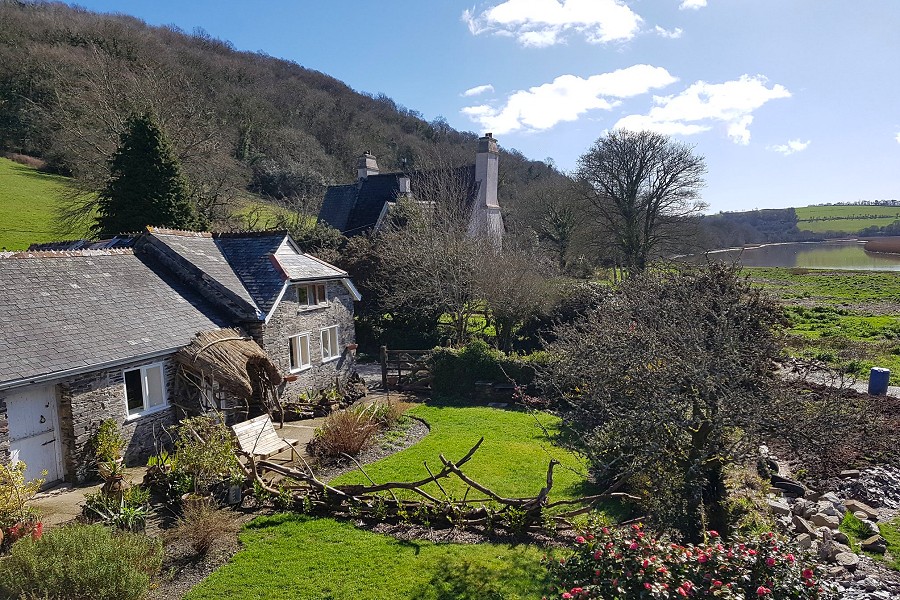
258,437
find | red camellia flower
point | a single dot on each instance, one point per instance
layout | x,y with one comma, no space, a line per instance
790,558
579,540
647,586
566,596
770,561
762,591
717,584
713,533
807,573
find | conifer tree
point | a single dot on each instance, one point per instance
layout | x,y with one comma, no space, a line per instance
145,186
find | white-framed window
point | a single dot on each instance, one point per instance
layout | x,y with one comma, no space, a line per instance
330,343
312,294
299,347
145,389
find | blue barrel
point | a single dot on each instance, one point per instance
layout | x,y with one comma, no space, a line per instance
878,381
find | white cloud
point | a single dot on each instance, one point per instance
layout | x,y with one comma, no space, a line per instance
566,98
674,34
540,23
692,4
790,147
898,137
703,104
478,89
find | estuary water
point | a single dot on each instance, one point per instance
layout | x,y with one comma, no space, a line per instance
843,255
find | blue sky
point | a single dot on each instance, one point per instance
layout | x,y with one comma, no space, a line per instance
792,102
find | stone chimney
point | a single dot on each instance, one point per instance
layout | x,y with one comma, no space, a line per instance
487,171
486,218
366,165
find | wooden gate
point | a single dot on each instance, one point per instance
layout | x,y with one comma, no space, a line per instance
405,369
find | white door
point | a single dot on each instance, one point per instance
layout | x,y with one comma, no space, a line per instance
33,429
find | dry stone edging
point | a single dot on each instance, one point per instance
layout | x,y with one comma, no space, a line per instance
812,519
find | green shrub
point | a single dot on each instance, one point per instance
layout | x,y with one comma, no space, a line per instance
625,563
15,492
455,371
108,442
81,562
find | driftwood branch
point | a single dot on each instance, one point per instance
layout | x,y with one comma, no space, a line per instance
489,510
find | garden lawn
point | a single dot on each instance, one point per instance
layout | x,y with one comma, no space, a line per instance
293,556
512,460
28,200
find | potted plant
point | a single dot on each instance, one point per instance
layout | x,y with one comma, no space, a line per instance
113,473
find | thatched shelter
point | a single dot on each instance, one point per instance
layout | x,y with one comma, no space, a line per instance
233,365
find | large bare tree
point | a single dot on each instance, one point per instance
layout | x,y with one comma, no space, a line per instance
644,187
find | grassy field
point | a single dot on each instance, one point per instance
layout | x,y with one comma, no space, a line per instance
845,219
292,556
849,319
28,199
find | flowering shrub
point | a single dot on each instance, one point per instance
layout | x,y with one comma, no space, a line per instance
619,564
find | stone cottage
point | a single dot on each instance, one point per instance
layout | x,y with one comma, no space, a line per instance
362,206
92,331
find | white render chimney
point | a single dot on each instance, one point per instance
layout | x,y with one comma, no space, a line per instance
486,218
366,165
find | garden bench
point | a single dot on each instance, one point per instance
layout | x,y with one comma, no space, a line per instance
257,436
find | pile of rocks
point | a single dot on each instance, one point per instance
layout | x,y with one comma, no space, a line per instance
812,519
877,486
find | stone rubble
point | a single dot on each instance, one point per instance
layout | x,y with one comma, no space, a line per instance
812,519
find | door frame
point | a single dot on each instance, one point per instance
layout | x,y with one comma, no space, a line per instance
54,394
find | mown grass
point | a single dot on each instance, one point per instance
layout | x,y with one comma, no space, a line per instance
28,201
293,556
512,460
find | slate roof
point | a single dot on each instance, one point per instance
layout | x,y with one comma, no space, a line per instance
353,209
76,311
303,267
243,262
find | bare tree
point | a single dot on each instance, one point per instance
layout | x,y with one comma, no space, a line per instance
643,186
429,264
514,289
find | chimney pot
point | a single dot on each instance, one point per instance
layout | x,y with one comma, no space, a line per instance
366,165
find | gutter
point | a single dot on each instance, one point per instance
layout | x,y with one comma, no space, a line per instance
15,383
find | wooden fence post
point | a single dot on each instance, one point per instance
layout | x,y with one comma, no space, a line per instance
384,368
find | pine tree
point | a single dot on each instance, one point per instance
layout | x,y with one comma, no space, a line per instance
145,186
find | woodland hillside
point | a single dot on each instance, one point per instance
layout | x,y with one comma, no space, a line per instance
240,122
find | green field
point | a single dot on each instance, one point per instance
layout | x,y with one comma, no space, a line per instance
28,200
845,219
848,319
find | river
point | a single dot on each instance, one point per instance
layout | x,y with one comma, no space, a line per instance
844,255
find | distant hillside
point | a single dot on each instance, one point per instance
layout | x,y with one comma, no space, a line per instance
239,121
28,199
846,219
808,223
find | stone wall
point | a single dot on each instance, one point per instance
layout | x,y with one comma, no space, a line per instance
290,318
89,399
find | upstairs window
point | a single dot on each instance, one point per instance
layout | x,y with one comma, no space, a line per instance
312,294
145,389
330,343
299,347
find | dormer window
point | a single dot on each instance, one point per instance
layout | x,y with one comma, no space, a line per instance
312,294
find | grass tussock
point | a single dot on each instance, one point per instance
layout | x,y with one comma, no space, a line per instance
201,527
